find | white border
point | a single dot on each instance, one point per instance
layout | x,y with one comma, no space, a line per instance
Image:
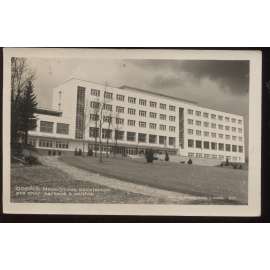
254,184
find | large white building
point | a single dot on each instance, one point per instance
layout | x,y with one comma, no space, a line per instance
140,120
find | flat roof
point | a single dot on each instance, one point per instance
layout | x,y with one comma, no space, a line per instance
157,94
47,111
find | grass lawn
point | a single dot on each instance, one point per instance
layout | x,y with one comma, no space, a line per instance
50,185
215,182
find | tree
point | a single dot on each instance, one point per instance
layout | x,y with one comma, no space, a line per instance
108,133
117,129
21,74
28,107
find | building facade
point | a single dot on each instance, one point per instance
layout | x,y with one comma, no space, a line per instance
131,120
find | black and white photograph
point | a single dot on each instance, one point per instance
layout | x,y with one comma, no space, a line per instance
144,132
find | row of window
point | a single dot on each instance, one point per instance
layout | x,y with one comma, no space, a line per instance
130,136
215,146
214,116
53,144
214,125
132,100
215,135
221,157
47,127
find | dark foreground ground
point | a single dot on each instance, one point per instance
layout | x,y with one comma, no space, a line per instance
51,185
215,182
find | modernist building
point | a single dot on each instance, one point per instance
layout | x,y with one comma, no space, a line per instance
134,120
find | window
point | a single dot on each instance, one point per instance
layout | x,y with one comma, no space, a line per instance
94,117
190,121
213,116
190,131
221,147
108,95
95,92
171,128
206,133
45,143
142,124
213,135
162,116
162,139
198,132
153,104
62,128
240,130
206,145
131,122
120,97
206,156
131,136
131,100
205,124
108,107
233,120
106,133
142,113
93,132
213,125
198,123
190,111
234,138
119,121
220,127
142,102
172,108
46,126
107,119
131,111
171,141
141,137
198,144
220,136
190,154
199,155
162,106
233,129
120,109
240,149
220,117
152,138
213,146
190,143
227,128
227,119
234,148
94,104
162,127
228,147
205,114
153,115
198,113
221,157
172,118
239,121
119,135
214,156
228,137
152,125
240,139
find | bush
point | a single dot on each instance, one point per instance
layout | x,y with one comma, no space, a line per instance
227,163
31,160
189,161
80,152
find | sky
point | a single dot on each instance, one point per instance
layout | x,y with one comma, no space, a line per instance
218,84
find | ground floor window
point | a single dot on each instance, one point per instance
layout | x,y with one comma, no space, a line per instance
45,143
61,144
162,140
206,155
199,155
119,135
171,141
141,137
32,142
191,154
